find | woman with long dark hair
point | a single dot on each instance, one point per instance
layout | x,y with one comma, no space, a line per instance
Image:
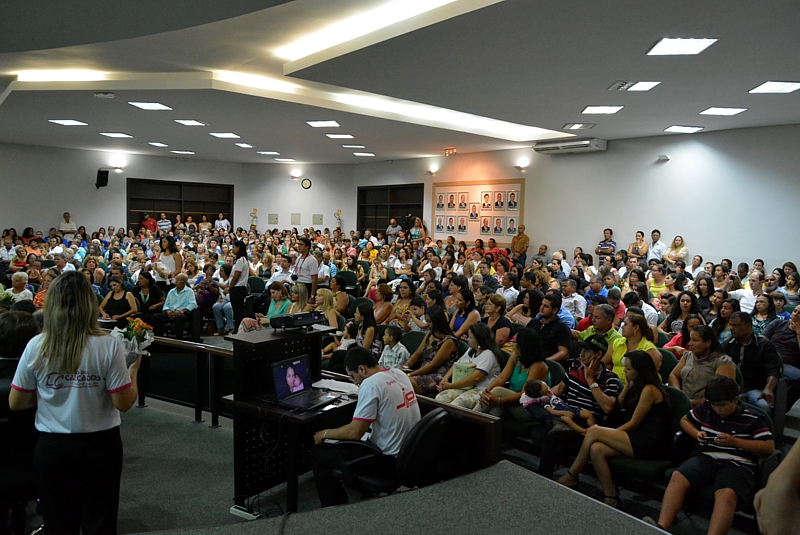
435,355
726,310
78,425
704,289
645,435
484,358
702,361
763,313
686,305
466,314
237,283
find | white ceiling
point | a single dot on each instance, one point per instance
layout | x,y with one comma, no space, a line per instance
528,62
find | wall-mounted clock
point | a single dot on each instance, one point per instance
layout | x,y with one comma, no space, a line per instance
306,183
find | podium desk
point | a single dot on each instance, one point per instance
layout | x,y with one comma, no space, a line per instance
270,443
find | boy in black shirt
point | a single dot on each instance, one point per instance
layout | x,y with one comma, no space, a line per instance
731,439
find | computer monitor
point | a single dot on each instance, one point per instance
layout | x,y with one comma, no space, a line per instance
291,376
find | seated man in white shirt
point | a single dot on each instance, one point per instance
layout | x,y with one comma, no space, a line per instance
747,298
507,289
572,300
283,274
386,403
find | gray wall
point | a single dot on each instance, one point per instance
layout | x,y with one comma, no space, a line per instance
729,194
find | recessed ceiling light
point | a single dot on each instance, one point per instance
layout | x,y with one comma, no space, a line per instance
643,86
323,124
353,146
776,87
105,95
683,129
363,154
680,47
157,144
607,110
339,136
284,159
268,153
182,152
226,135
190,122
579,126
114,134
722,111
245,145
68,122
152,106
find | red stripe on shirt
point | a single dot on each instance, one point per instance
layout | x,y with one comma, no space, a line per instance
365,419
120,388
15,387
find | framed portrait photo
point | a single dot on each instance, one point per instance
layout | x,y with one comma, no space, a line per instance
463,201
462,224
451,223
474,213
451,200
486,225
499,200
440,223
498,225
512,200
486,200
440,202
511,226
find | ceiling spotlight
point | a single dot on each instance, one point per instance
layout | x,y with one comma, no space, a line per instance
450,151
522,164
104,95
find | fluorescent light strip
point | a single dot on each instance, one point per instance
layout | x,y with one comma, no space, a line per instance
224,135
323,124
190,122
114,134
285,159
776,87
182,152
61,75
357,26
151,106
245,145
268,153
579,126
67,122
363,154
339,136
643,86
679,47
157,144
601,110
723,111
683,129
353,147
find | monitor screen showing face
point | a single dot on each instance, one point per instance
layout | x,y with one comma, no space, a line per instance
291,376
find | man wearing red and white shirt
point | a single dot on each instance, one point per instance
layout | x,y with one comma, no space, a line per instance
386,404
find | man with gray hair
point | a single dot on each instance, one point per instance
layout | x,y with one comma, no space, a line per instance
572,300
602,324
62,264
177,308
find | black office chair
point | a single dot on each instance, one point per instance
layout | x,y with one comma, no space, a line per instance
416,462
18,438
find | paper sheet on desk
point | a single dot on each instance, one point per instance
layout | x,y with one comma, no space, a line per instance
336,386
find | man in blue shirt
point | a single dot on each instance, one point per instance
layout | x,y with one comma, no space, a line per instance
177,308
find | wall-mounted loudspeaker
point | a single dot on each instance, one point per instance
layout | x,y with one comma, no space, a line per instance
102,178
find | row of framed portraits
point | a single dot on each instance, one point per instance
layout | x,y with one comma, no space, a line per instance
489,201
486,225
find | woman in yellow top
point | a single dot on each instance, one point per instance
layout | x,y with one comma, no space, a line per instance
657,284
636,334
399,314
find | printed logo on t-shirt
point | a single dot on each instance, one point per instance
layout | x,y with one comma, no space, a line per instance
409,399
82,379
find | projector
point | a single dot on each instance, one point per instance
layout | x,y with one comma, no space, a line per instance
302,319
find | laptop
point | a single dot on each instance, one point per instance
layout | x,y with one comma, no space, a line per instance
293,389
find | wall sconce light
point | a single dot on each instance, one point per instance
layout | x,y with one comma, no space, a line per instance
296,174
115,169
663,158
432,169
522,164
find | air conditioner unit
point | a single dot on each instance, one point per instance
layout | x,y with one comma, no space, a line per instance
571,145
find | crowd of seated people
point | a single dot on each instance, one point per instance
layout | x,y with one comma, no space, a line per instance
713,317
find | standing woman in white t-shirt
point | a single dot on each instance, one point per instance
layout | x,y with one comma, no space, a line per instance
75,375
172,261
237,284
222,224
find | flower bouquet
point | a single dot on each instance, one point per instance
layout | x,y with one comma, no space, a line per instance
135,338
6,299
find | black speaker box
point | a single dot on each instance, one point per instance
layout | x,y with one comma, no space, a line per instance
102,178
